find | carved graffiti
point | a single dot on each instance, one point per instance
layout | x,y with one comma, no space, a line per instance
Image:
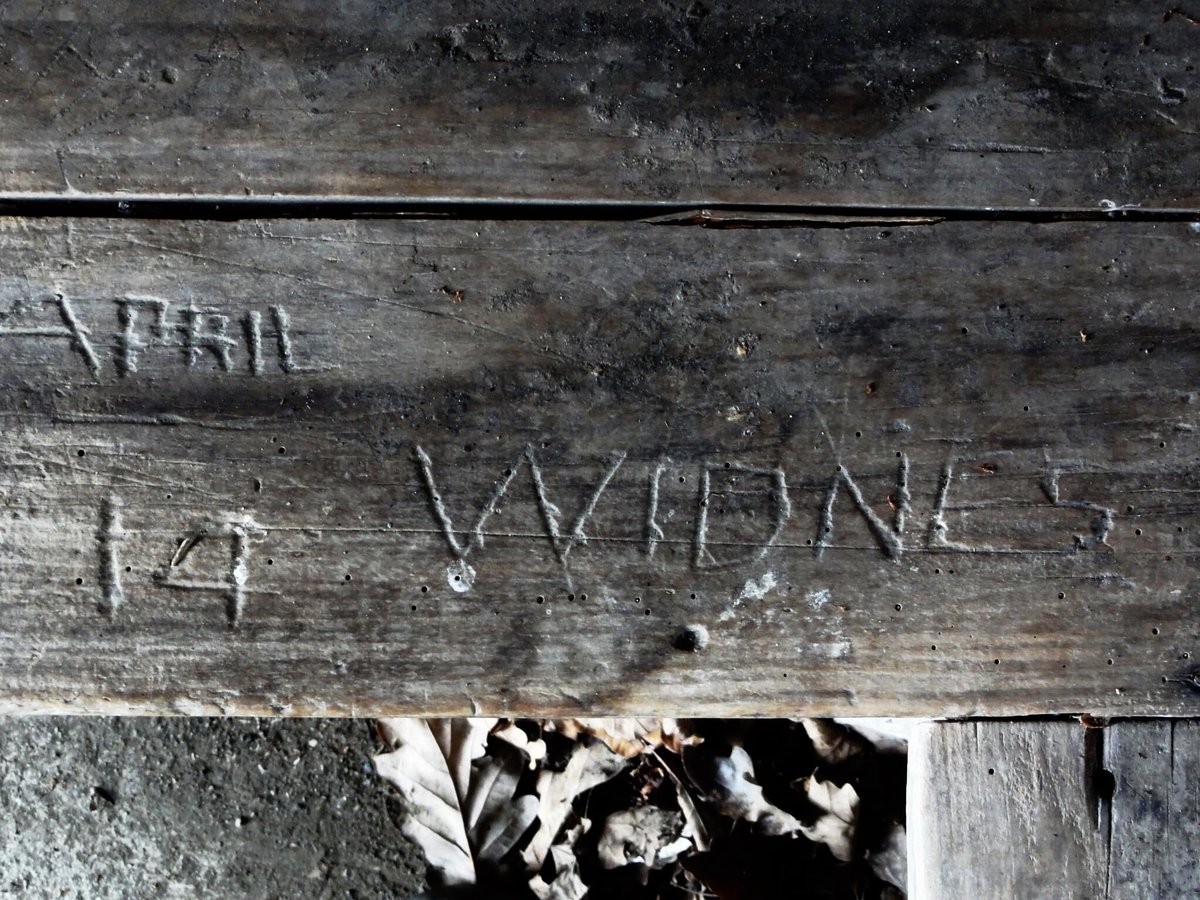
890,538
197,333
232,582
781,509
111,534
461,574
764,491
71,330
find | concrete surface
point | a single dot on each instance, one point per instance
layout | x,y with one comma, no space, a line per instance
196,808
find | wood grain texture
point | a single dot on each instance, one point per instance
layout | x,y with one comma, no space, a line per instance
422,467
1050,810
1002,809
911,103
1155,842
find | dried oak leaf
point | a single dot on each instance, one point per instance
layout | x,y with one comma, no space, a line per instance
839,816
832,742
645,835
890,861
629,737
694,828
727,783
590,763
565,882
460,804
533,749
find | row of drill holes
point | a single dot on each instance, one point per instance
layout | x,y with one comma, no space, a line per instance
542,599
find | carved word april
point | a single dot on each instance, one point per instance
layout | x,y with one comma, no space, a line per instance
196,333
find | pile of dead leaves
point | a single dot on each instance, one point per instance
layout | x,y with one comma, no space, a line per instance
650,808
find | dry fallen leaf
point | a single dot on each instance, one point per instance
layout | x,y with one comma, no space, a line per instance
694,827
566,884
839,816
628,737
460,779
832,742
533,749
672,736
730,787
460,803
589,764
890,862
644,835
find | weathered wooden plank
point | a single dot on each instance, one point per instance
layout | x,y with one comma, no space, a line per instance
441,467
1045,809
1155,842
911,103
1001,809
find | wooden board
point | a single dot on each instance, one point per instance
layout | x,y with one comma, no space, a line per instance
1154,848
912,103
422,467
1038,809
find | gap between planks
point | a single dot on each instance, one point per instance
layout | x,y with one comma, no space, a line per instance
713,215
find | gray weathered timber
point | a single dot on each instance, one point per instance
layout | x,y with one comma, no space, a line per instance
1155,837
906,103
1055,811
1001,810
422,467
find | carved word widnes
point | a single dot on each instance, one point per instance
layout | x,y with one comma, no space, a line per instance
769,483
463,526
